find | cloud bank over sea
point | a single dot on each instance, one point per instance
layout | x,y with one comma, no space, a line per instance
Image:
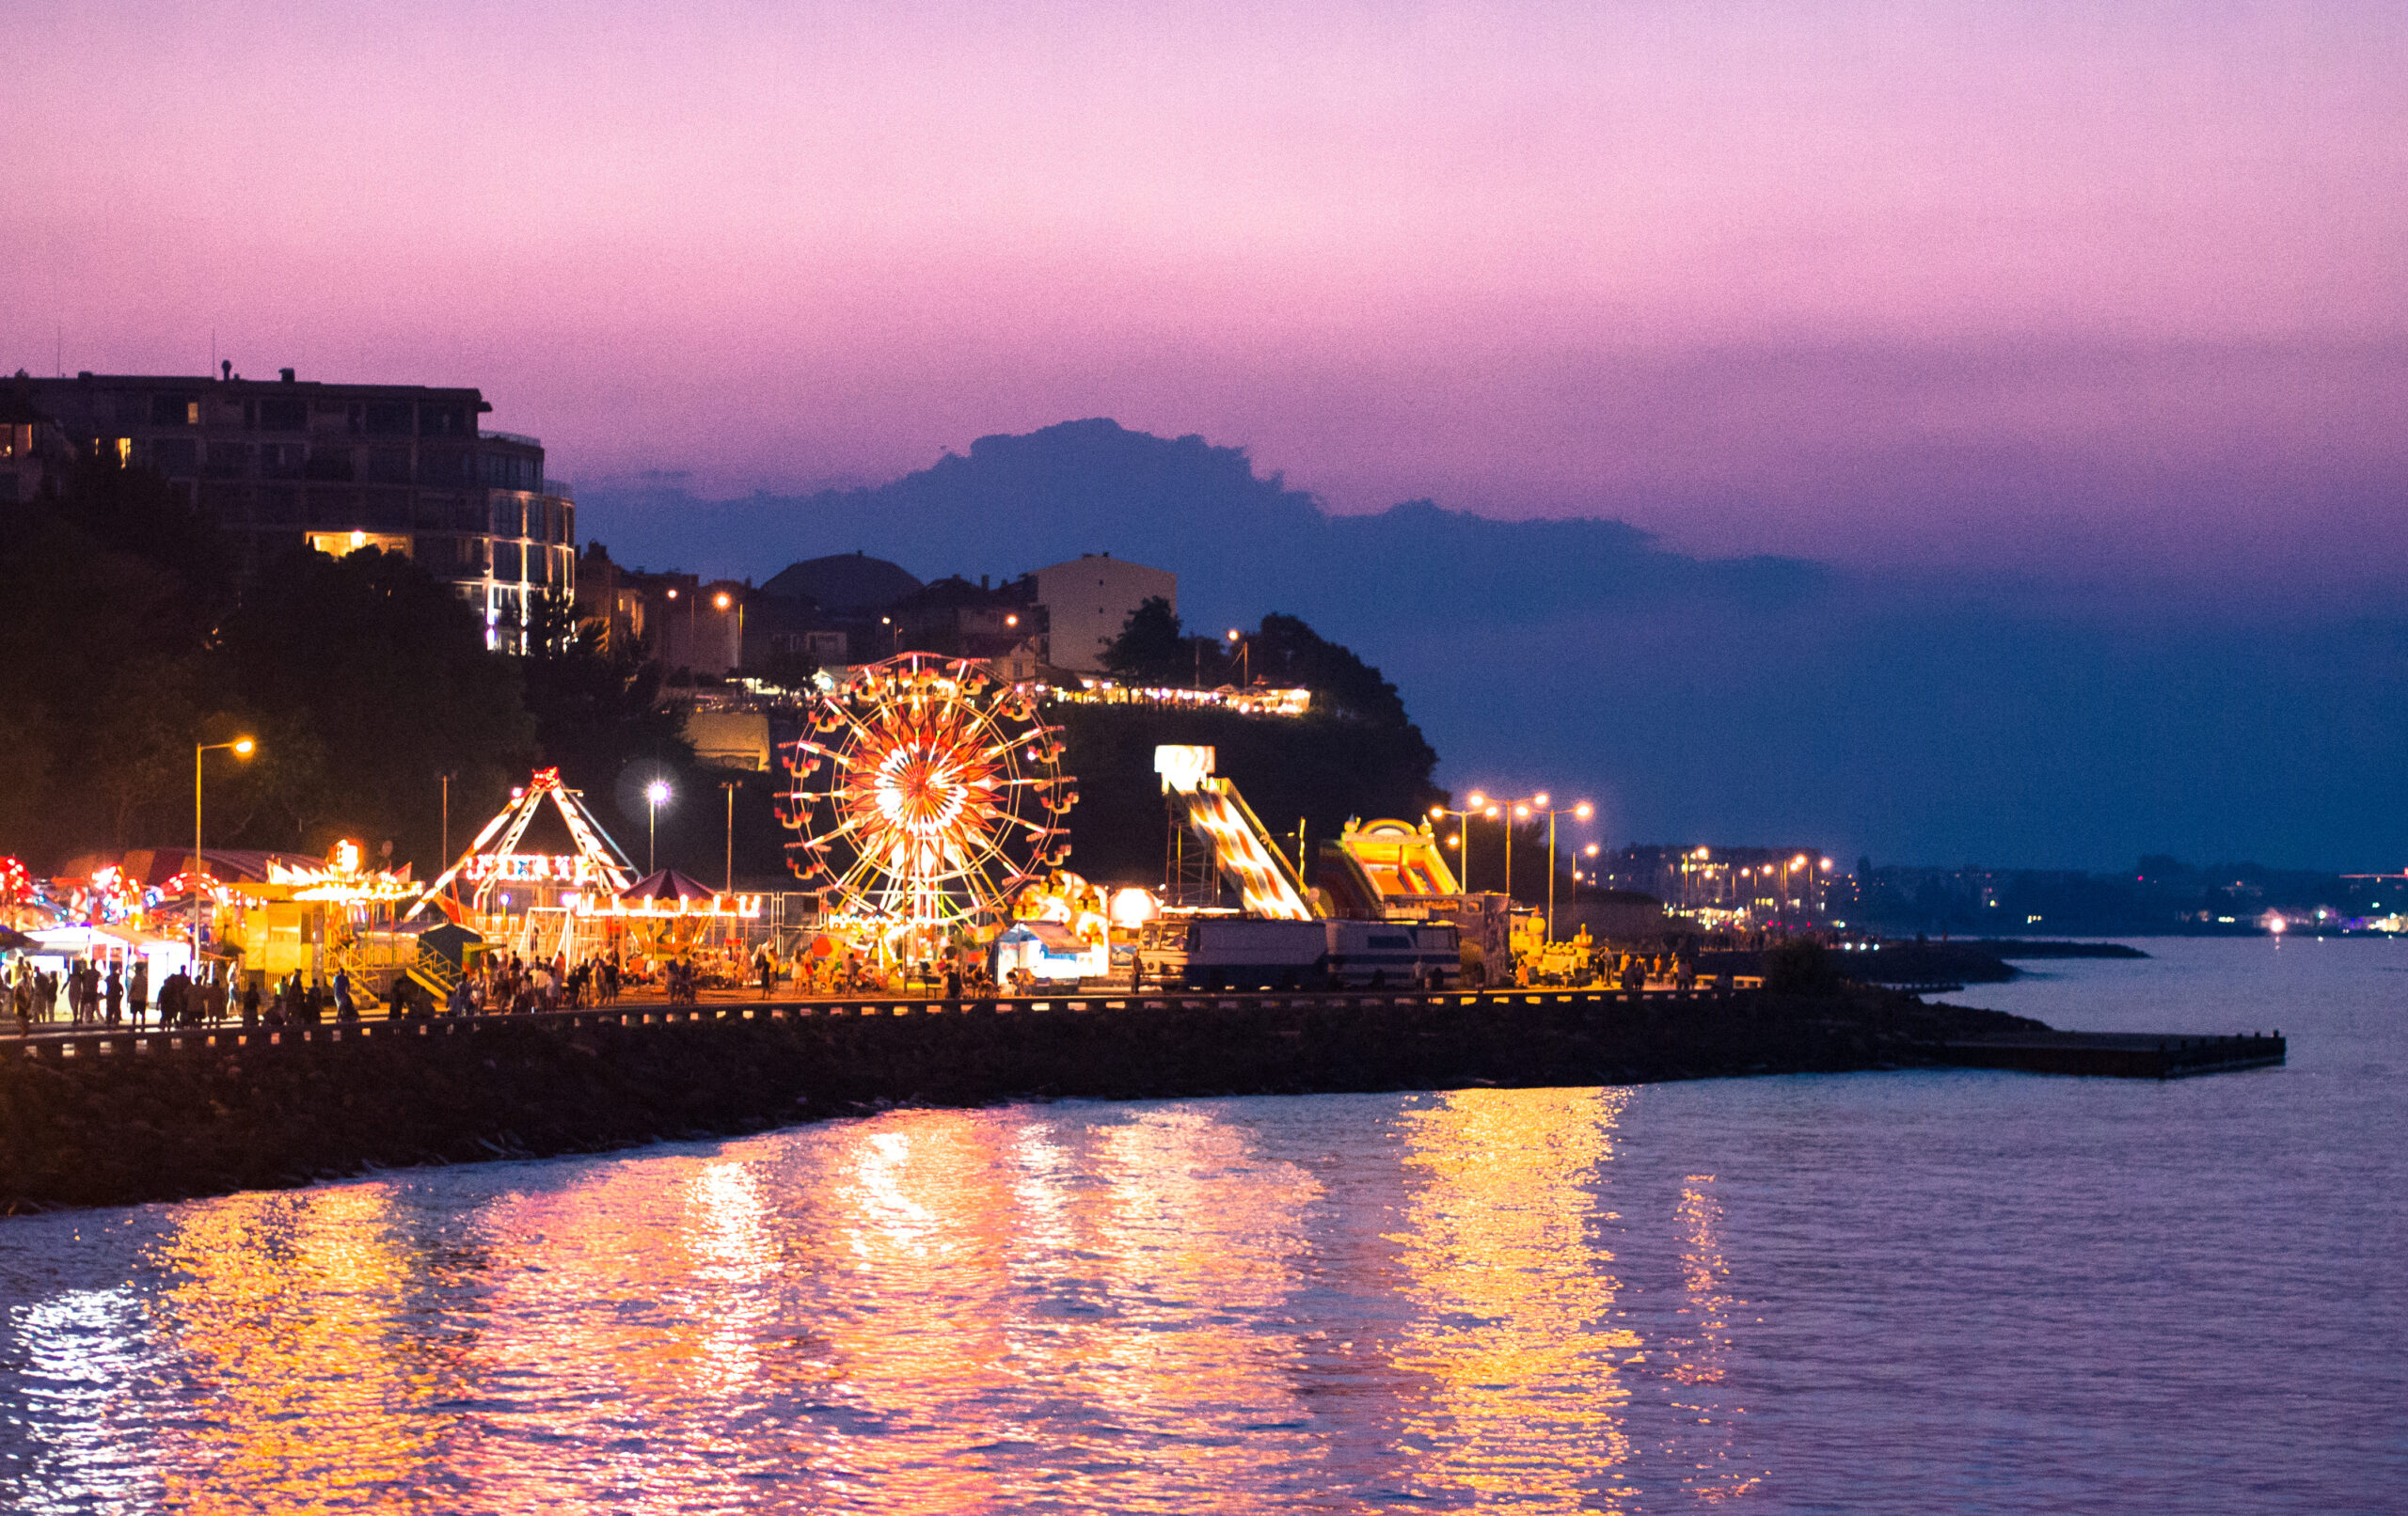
2010,718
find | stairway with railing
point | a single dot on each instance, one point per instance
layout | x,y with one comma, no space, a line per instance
436,973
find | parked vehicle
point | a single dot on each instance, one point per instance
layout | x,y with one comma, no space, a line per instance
1312,954
1161,950
1385,955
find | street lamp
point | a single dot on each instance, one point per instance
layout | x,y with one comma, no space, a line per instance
1523,810
1480,806
1245,650
240,748
656,795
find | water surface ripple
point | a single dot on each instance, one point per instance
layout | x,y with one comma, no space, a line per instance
1958,1292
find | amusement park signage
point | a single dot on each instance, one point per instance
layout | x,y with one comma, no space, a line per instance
523,867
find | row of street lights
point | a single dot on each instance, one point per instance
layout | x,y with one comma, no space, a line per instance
1524,809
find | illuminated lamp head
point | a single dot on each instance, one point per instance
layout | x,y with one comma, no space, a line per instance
723,600
245,747
656,793
1131,907
1584,810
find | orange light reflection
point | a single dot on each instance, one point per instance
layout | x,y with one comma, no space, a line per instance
1516,1335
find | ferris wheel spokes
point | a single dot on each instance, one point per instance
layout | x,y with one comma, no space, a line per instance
930,795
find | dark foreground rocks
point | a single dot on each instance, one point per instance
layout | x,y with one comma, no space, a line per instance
169,1124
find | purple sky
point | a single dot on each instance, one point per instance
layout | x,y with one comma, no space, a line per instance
1888,284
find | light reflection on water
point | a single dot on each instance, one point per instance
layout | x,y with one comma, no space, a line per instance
1516,1335
1958,1292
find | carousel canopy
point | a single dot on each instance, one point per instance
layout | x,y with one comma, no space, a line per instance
667,884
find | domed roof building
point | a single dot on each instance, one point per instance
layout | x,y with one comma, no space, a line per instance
844,584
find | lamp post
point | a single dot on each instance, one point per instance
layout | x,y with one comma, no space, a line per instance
724,602
1523,810
656,795
1480,806
1582,811
447,817
240,748
1245,655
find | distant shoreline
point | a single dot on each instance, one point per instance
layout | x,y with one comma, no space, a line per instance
2019,947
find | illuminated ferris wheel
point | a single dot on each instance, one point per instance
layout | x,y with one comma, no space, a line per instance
923,795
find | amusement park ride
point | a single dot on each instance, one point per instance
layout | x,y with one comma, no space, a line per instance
927,806
929,803
539,904
926,798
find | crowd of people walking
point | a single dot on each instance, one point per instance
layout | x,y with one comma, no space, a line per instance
107,994
87,993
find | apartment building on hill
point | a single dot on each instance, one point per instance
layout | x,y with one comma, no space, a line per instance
283,461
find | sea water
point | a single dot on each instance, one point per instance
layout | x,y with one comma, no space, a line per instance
1950,1291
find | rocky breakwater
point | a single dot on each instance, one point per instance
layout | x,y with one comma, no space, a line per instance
165,1122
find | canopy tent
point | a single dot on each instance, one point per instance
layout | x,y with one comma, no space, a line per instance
1049,951
667,892
667,884
81,940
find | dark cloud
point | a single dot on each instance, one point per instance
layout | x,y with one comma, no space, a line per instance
1984,713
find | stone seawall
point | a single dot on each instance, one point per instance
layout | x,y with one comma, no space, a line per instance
164,1121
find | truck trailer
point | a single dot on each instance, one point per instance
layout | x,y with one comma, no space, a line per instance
1248,954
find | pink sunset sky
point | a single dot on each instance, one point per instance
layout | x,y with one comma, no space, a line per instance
1877,283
